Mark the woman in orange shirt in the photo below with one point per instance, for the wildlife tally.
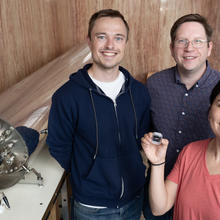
(193, 186)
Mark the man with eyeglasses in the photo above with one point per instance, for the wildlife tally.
(180, 94)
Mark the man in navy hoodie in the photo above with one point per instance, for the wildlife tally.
(96, 121)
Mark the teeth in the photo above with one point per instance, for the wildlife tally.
(109, 54)
(188, 58)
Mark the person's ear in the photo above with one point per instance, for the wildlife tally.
(171, 49)
(210, 46)
(89, 42)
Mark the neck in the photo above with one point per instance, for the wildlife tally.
(214, 149)
(189, 78)
(104, 75)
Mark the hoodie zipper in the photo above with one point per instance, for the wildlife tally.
(119, 135)
(116, 115)
(119, 138)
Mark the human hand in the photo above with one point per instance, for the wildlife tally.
(155, 153)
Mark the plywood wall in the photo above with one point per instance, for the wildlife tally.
(33, 32)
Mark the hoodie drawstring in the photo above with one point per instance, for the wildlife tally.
(135, 115)
(96, 124)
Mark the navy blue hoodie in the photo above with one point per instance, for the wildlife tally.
(99, 141)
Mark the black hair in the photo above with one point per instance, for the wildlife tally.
(215, 93)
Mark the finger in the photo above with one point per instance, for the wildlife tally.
(144, 143)
(147, 134)
(146, 137)
(165, 142)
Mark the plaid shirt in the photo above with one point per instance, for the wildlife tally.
(181, 115)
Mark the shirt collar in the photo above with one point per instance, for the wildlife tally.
(200, 82)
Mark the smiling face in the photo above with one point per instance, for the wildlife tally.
(108, 42)
(214, 116)
(191, 59)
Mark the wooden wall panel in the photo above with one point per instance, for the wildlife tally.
(28, 101)
(33, 32)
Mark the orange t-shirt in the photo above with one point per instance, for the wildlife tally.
(198, 193)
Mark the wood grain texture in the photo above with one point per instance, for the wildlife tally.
(34, 32)
(28, 102)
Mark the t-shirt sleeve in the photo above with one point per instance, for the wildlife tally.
(174, 174)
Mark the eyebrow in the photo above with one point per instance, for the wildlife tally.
(100, 33)
(103, 33)
(122, 35)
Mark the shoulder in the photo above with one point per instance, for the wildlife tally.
(77, 81)
(137, 90)
(132, 82)
(213, 76)
(135, 84)
(163, 73)
(215, 72)
(64, 90)
(164, 76)
(194, 149)
(69, 92)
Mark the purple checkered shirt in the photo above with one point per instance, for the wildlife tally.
(181, 115)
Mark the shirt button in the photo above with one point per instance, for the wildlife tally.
(180, 132)
(197, 85)
(183, 113)
(186, 94)
(177, 150)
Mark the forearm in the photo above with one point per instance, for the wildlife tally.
(157, 191)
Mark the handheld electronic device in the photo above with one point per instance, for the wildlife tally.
(156, 138)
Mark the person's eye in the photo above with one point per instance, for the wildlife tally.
(101, 37)
(119, 38)
(181, 41)
(198, 41)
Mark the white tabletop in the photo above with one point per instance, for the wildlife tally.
(30, 201)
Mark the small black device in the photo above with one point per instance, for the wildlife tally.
(156, 138)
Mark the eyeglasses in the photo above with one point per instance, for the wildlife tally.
(196, 43)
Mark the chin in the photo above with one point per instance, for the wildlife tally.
(109, 66)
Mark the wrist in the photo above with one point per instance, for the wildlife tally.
(158, 164)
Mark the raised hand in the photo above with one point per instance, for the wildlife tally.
(155, 153)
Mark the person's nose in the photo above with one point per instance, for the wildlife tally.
(110, 43)
(189, 46)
